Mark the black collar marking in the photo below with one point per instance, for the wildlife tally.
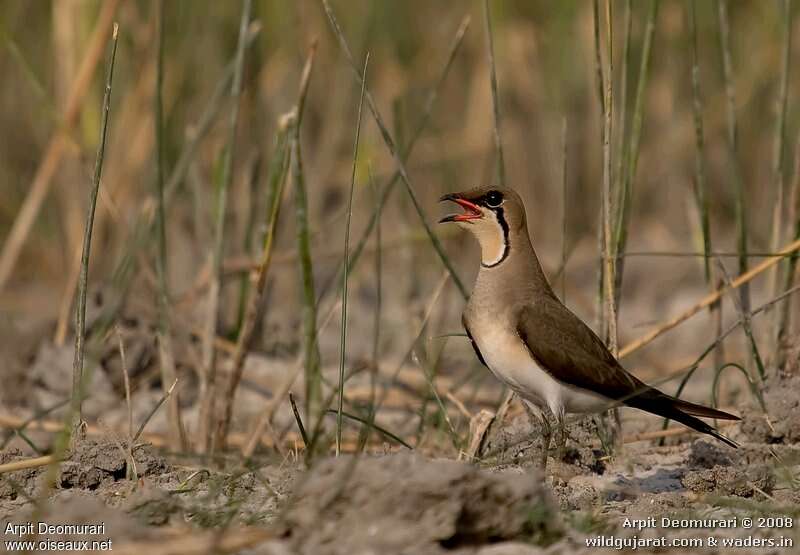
(506, 246)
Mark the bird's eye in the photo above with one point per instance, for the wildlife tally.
(494, 199)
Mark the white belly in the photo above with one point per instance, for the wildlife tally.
(509, 360)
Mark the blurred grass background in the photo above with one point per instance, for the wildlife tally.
(545, 55)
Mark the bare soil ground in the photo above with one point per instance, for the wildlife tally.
(393, 501)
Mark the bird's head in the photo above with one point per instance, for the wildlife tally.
(492, 215)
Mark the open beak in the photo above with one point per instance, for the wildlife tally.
(471, 210)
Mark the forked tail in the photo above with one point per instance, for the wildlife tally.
(684, 412)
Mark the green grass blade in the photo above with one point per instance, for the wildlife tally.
(632, 151)
(386, 191)
(738, 181)
(700, 187)
(141, 234)
(208, 416)
(165, 352)
(343, 340)
(310, 341)
(299, 421)
(390, 145)
(83, 282)
(373, 426)
(498, 141)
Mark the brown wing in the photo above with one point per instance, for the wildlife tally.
(570, 351)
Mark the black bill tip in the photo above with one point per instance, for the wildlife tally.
(450, 197)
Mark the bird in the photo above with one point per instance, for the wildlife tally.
(532, 342)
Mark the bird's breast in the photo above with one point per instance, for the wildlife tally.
(511, 362)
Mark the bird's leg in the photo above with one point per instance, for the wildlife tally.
(547, 434)
(535, 415)
(616, 436)
(609, 428)
(561, 441)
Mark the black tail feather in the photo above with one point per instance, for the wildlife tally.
(700, 426)
(669, 407)
(700, 410)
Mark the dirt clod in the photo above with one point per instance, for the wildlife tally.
(94, 463)
(405, 503)
(518, 441)
(705, 454)
(21, 482)
(726, 480)
(782, 399)
(81, 507)
(152, 506)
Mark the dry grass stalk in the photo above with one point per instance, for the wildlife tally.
(609, 246)
(784, 322)
(689, 371)
(67, 44)
(478, 427)
(503, 407)
(65, 309)
(209, 359)
(777, 165)
(562, 271)
(58, 143)
(27, 463)
(265, 418)
(610, 311)
(153, 412)
(154, 438)
(127, 383)
(83, 283)
(458, 404)
(708, 300)
(600, 320)
(182, 542)
(669, 432)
